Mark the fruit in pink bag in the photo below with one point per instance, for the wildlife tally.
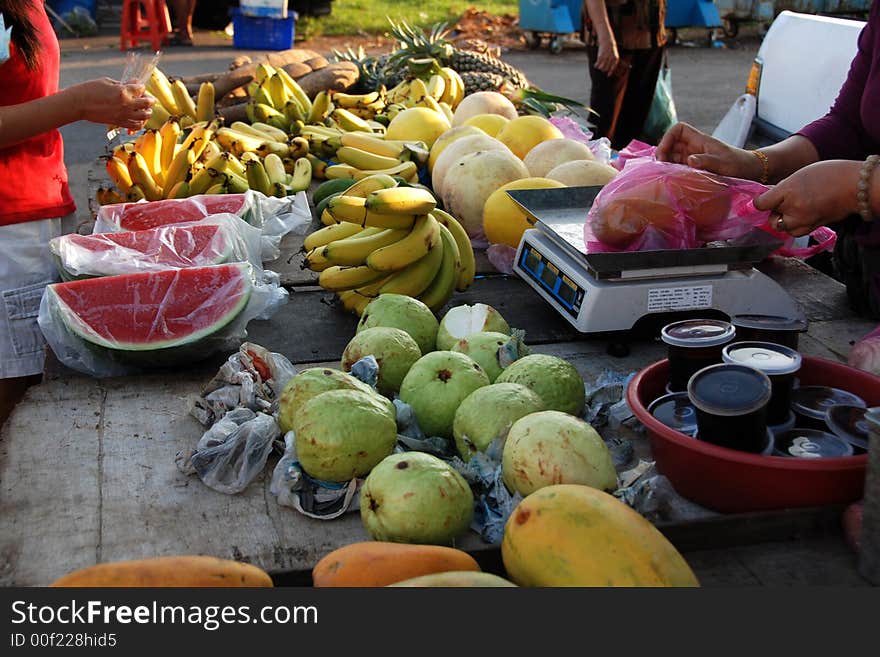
(625, 216)
(703, 198)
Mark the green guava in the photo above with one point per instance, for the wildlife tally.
(394, 350)
(549, 447)
(556, 381)
(488, 413)
(342, 434)
(415, 497)
(462, 321)
(435, 386)
(313, 381)
(405, 313)
(486, 347)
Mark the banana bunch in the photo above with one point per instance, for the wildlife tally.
(279, 101)
(385, 238)
(173, 100)
(442, 91)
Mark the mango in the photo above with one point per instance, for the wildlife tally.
(456, 579)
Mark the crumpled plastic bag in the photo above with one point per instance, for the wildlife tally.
(5, 39)
(571, 129)
(865, 353)
(502, 257)
(233, 452)
(653, 496)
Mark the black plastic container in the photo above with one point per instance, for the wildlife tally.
(785, 426)
(849, 423)
(811, 444)
(811, 403)
(769, 444)
(675, 411)
(769, 328)
(731, 402)
(693, 344)
(778, 362)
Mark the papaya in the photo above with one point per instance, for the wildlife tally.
(177, 571)
(380, 563)
(573, 535)
(465, 579)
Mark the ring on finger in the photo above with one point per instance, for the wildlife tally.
(780, 224)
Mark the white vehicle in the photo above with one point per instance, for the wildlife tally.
(801, 64)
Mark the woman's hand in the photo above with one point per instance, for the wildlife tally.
(113, 103)
(607, 58)
(816, 195)
(684, 144)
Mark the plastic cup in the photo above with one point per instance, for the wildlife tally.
(811, 444)
(731, 402)
(675, 411)
(778, 362)
(693, 344)
(811, 403)
(769, 328)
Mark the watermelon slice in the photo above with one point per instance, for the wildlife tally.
(152, 311)
(165, 247)
(141, 216)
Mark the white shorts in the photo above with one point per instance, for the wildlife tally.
(25, 269)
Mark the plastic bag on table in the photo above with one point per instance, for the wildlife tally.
(215, 240)
(252, 378)
(127, 324)
(571, 129)
(233, 452)
(632, 151)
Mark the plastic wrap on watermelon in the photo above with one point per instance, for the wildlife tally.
(125, 324)
(275, 217)
(216, 240)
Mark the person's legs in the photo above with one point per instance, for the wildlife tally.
(639, 95)
(183, 11)
(607, 94)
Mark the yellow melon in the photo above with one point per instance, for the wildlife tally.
(525, 132)
(504, 221)
(553, 152)
(417, 124)
(458, 148)
(491, 124)
(582, 173)
(483, 102)
(573, 535)
(447, 138)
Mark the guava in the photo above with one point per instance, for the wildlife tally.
(415, 497)
(436, 384)
(394, 350)
(492, 350)
(488, 413)
(405, 313)
(462, 321)
(549, 447)
(556, 381)
(313, 381)
(342, 434)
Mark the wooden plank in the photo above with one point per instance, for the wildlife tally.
(821, 297)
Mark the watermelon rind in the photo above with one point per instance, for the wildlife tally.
(75, 325)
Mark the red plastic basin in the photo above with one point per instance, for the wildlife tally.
(732, 481)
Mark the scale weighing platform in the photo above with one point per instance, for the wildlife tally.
(606, 292)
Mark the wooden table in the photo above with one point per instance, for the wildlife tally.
(88, 474)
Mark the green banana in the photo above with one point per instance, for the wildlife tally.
(441, 288)
(425, 234)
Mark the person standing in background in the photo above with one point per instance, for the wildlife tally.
(626, 40)
(183, 11)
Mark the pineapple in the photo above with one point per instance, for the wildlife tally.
(480, 81)
(465, 61)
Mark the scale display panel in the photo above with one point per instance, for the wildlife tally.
(540, 269)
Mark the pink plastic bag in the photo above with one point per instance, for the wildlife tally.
(633, 150)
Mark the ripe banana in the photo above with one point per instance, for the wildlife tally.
(353, 209)
(417, 91)
(440, 290)
(135, 194)
(348, 121)
(321, 108)
(295, 91)
(371, 290)
(468, 268)
(179, 168)
(264, 72)
(205, 179)
(257, 177)
(373, 144)
(401, 200)
(183, 100)
(159, 87)
(347, 278)
(454, 92)
(211, 152)
(302, 175)
(281, 150)
(151, 149)
(363, 160)
(347, 101)
(328, 219)
(328, 234)
(299, 147)
(266, 131)
(275, 169)
(368, 184)
(141, 176)
(356, 250)
(405, 170)
(436, 86)
(319, 167)
(425, 235)
(446, 108)
(205, 105)
(234, 164)
(353, 302)
(158, 117)
(118, 172)
(278, 91)
(237, 184)
(180, 190)
(415, 278)
(294, 111)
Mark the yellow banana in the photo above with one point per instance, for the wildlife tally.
(205, 180)
(274, 168)
(295, 90)
(159, 87)
(356, 249)
(266, 131)
(302, 175)
(321, 108)
(293, 111)
(373, 144)
(264, 72)
(315, 260)
(278, 92)
(141, 176)
(404, 170)
(236, 142)
(468, 267)
(446, 109)
(425, 234)
(368, 184)
(347, 278)
(341, 99)
(415, 278)
(237, 184)
(399, 93)
(205, 105)
(158, 117)
(211, 152)
(151, 150)
(459, 86)
(234, 164)
(335, 171)
(401, 200)
(118, 172)
(328, 219)
(179, 168)
(349, 121)
(135, 194)
(441, 288)
(417, 91)
(183, 100)
(248, 129)
(219, 188)
(262, 96)
(319, 132)
(329, 234)
(436, 86)
(282, 150)
(362, 159)
(257, 177)
(319, 167)
(353, 302)
(299, 147)
(352, 209)
(180, 190)
(371, 290)
(200, 131)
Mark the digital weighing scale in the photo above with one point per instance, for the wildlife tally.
(603, 292)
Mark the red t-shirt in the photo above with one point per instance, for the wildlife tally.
(35, 179)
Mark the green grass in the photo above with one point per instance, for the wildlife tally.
(352, 17)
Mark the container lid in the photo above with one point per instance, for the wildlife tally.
(698, 333)
(813, 401)
(729, 389)
(675, 411)
(849, 423)
(772, 359)
(769, 322)
(811, 444)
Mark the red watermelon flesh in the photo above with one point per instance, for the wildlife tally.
(140, 216)
(153, 310)
(165, 247)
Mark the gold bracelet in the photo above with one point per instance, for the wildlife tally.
(864, 186)
(765, 176)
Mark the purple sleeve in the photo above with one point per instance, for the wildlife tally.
(840, 134)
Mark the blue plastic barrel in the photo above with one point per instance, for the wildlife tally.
(62, 7)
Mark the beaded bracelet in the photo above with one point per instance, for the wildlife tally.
(765, 176)
(862, 195)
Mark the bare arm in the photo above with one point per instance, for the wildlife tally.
(608, 57)
(100, 101)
